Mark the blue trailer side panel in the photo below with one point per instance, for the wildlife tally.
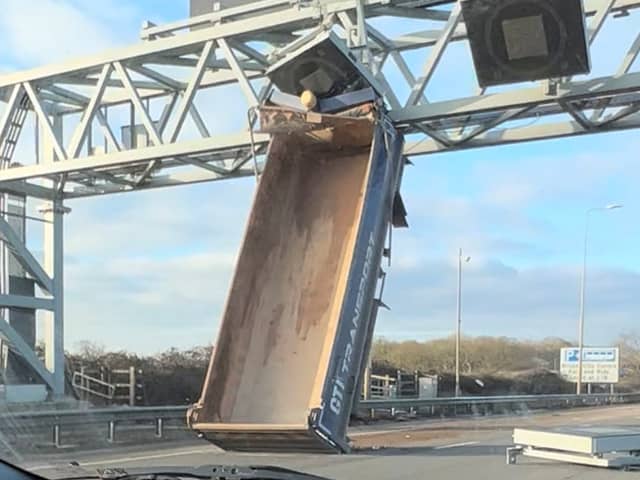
(353, 328)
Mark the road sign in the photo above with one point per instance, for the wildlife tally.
(599, 365)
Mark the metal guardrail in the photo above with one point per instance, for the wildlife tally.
(60, 420)
(97, 415)
(571, 399)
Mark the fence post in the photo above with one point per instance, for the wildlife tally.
(111, 434)
(132, 386)
(367, 383)
(159, 427)
(56, 436)
(83, 386)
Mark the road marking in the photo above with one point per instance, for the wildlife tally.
(128, 459)
(424, 425)
(455, 445)
(377, 432)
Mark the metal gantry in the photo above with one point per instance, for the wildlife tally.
(136, 118)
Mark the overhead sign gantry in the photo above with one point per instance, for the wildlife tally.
(115, 121)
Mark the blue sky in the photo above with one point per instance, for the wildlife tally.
(147, 271)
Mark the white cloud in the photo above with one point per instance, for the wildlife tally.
(208, 216)
(568, 173)
(151, 270)
(147, 305)
(35, 32)
(501, 300)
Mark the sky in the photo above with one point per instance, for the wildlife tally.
(148, 271)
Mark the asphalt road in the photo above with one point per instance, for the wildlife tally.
(464, 448)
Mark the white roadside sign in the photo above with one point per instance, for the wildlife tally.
(599, 365)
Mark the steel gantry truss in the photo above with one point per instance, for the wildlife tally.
(117, 121)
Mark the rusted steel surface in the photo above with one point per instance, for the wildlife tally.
(268, 376)
(282, 120)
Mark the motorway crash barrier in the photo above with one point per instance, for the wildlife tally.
(62, 422)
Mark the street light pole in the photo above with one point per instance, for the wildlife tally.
(582, 292)
(459, 319)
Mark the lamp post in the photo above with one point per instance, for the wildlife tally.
(461, 260)
(582, 291)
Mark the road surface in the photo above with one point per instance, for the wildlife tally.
(445, 449)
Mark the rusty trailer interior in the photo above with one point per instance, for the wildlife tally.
(289, 351)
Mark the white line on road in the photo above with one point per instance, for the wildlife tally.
(455, 445)
(129, 459)
(377, 432)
